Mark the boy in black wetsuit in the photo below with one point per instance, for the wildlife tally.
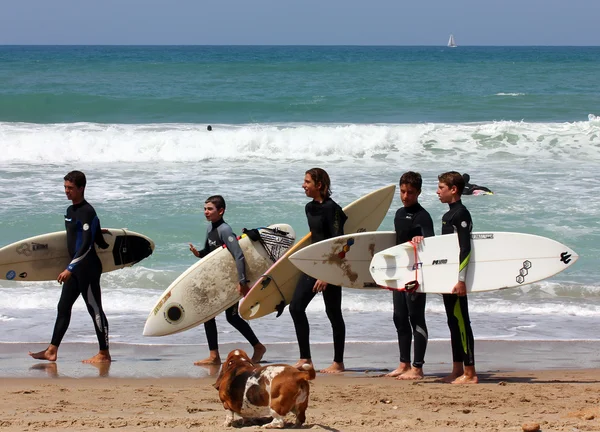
(82, 275)
(219, 233)
(458, 220)
(412, 223)
(326, 219)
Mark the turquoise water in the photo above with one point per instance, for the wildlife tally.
(521, 121)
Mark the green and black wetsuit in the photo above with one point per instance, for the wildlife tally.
(458, 220)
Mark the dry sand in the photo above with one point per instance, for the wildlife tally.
(559, 400)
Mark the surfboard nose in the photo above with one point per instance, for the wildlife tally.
(150, 329)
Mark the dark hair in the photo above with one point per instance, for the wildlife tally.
(319, 175)
(217, 200)
(209, 128)
(467, 177)
(77, 178)
(412, 178)
(453, 178)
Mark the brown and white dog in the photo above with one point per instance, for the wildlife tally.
(268, 391)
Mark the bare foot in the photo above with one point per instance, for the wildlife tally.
(302, 362)
(335, 368)
(450, 378)
(466, 379)
(103, 356)
(50, 354)
(259, 352)
(412, 374)
(403, 368)
(209, 361)
(457, 371)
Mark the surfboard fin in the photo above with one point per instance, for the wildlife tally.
(279, 308)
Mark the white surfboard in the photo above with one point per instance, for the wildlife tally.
(209, 286)
(498, 260)
(274, 290)
(344, 260)
(44, 257)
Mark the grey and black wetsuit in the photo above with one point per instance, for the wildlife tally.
(458, 220)
(325, 220)
(83, 231)
(218, 234)
(409, 308)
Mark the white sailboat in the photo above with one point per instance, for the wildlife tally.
(451, 42)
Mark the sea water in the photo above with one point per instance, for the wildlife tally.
(521, 121)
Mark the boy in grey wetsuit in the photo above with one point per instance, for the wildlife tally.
(219, 233)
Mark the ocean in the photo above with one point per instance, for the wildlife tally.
(520, 120)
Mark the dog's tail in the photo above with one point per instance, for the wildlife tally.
(308, 371)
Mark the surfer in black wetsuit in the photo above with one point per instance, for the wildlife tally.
(219, 233)
(471, 189)
(458, 220)
(412, 223)
(325, 220)
(82, 275)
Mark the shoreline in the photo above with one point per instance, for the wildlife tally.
(176, 361)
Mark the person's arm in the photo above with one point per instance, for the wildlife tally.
(88, 224)
(231, 241)
(422, 227)
(202, 252)
(462, 225)
(334, 219)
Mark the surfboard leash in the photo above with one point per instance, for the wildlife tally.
(412, 286)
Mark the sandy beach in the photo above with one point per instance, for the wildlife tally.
(157, 387)
(557, 400)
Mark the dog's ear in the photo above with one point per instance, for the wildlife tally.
(217, 383)
(225, 367)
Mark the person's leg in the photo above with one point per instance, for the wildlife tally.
(300, 300)
(450, 304)
(210, 328)
(461, 312)
(92, 297)
(332, 296)
(68, 296)
(404, 332)
(416, 312)
(244, 328)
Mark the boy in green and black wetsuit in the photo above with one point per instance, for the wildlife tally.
(458, 220)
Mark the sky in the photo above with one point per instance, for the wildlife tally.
(299, 22)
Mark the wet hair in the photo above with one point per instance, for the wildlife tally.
(217, 200)
(467, 177)
(453, 178)
(319, 175)
(77, 178)
(209, 128)
(413, 179)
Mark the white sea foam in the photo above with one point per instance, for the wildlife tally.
(86, 142)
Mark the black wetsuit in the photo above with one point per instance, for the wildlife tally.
(409, 308)
(83, 230)
(325, 220)
(470, 188)
(218, 234)
(458, 220)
